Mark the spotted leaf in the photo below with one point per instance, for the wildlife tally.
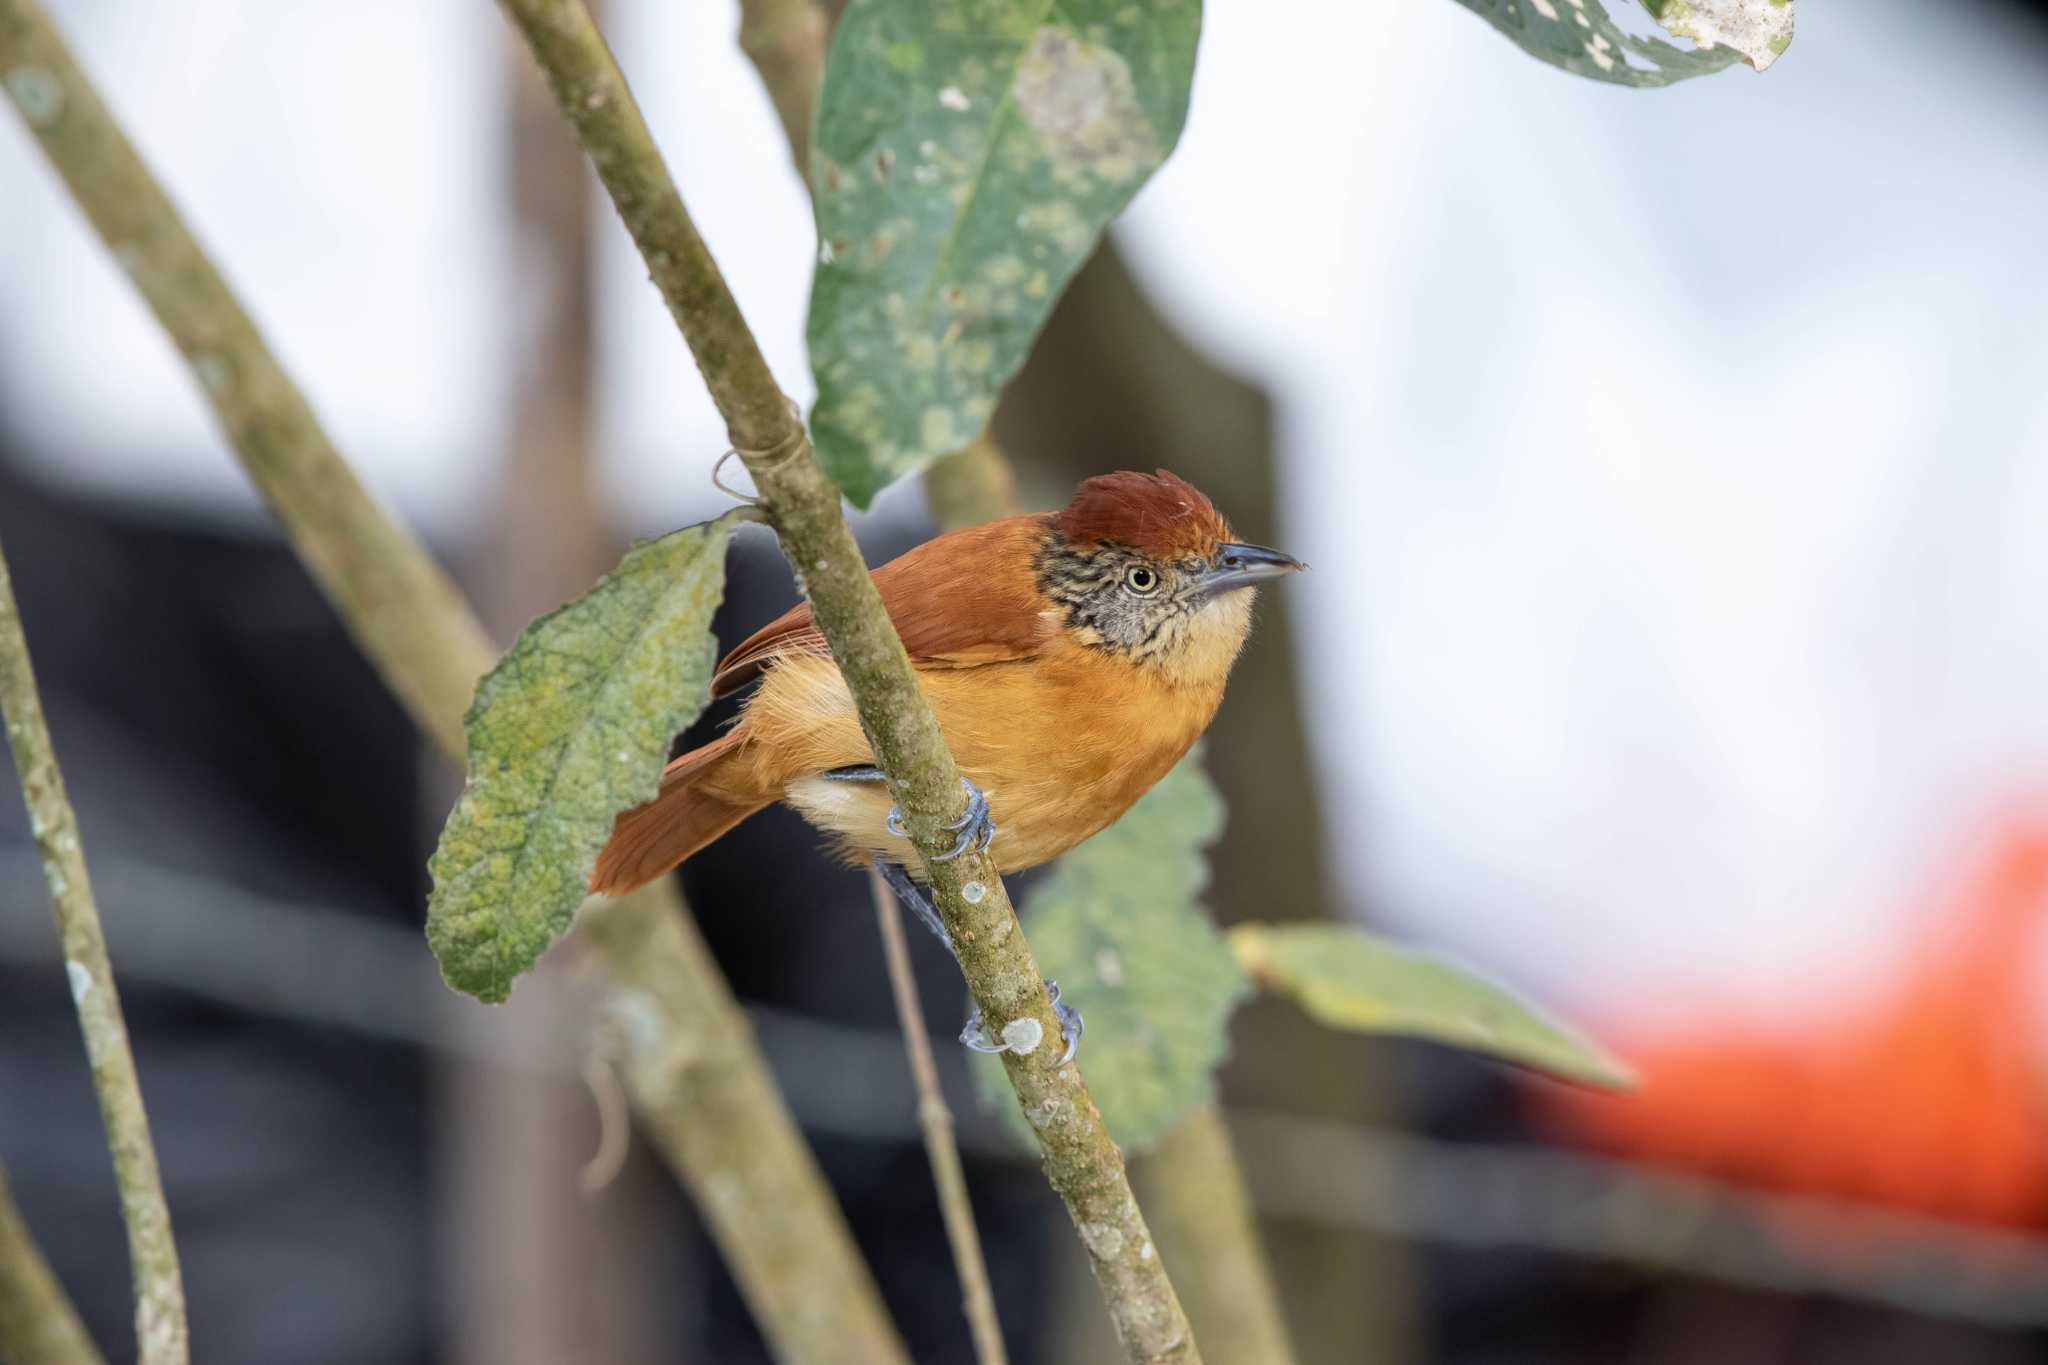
(1581, 37)
(968, 155)
(572, 727)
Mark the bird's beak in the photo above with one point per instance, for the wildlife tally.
(1246, 566)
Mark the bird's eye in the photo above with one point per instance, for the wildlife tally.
(1140, 579)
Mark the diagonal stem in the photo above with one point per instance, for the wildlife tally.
(160, 1331)
(1082, 1162)
(1195, 1175)
(936, 1120)
(38, 1325)
(698, 1078)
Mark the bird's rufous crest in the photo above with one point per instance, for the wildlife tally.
(1161, 515)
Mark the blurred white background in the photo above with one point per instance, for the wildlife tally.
(1671, 462)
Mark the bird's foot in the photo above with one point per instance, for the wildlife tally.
(976, 1035)
(974, 827)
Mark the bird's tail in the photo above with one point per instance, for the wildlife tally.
(650, 840)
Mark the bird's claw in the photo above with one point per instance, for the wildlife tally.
(975, 828)
(976, 1035)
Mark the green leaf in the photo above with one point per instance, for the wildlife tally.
(572, 727)
(968, 155)
(1119, 927)
(1349, 979)
(1760, 30)
(1579, 36)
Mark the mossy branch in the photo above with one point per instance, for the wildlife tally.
(700, 1083)
(1195, 1173)
(941, 1144)
(404, 612)
(38, 1325)
(1082, 1162)
(160, 1331)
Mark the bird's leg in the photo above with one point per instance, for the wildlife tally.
(920, 904)
(976, 830)
(975, 1034)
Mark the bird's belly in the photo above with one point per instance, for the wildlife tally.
(1060, 750)
(1044, 799)
(856, 814)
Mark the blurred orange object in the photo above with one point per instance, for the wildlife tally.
(1930, 1097)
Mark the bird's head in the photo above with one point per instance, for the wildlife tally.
(1145, 567)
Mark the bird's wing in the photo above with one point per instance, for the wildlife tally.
(963, 599)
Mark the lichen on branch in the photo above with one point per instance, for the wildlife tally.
(700, 1082)
(160, 1330)
(1081, 1161)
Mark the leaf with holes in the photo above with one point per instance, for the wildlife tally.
(1349, 979)
(1119, 926)
(572, 727)
(1579, 36)
(968, 155)
(1760, 30)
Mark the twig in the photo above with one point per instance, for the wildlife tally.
(936, 1120)
(613, 1122)
(38, 1325)
(152, 1255)
(785, 40)
(1205, 1217)
(699, 1081)
(1082, 1162)
(404, 612)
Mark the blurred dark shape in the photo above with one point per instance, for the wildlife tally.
(214, 719)
(211, 718)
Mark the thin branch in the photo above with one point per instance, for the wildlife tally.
(404, 612)
(698, 1079)
(1206, 1213)
(936, 1120)
(160, 1332)
(38, 1325)
(785, 40)
(710, 1104)
(1196, 1185)
(1082, 1162)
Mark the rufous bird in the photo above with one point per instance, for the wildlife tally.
(1071, 658)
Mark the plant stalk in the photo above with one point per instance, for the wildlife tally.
(1082, 1162)
(160, 1331)
(1196, 1185)
(940, 1144)
(712, 1105)
(785, 40)
(1205, 1212)
(38, 1325)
